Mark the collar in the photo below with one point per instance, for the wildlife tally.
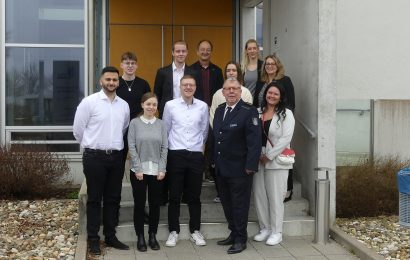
(102, 95)
(174, 67)
(233, 106)
(148, 121)
(182, 101)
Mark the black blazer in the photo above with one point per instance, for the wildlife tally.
(237, 140)
(164, 86)
(216, 79)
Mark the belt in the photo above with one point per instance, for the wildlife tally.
(97, 151)
(185, 151)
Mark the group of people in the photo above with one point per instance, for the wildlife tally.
(242, 117)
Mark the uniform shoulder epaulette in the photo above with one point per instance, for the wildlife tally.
(222, 105)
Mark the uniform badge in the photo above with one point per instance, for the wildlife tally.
(255, 121)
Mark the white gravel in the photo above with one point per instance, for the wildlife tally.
(382, 234)
(41, 229)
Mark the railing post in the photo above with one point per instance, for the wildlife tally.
(322, 190)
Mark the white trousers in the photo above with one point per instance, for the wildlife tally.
(269, 188)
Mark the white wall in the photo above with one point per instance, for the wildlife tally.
(373, 49)
(305, 31)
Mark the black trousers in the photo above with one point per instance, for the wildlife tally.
(139, 191)
(235, 195)
(184, 173)
(103, 174)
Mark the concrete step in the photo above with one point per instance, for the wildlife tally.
(292, 226)
(208, 191)
(213, 211)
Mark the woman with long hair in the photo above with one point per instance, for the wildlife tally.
(269, 184)
(148, 147)
(251, 65)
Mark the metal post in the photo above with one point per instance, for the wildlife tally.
(322, 189)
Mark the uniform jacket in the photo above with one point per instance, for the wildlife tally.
(280, 134)
(237, 140)
(164, 86)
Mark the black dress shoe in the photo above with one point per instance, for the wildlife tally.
(288, 198)
(237, 248)
(141, 245)
(152, 242)
(227, 241)
(94, 246)
(114, 242)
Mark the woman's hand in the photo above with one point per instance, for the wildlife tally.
(139, 176)
(160, 176)
(263, 159)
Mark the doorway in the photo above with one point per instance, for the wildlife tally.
(149, 29)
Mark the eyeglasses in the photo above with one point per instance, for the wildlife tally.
(130, 63)
(188, 85)
(270, 64)
(231, 88)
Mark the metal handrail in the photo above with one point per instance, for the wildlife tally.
(310, 131)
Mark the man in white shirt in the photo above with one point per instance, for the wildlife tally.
(186, 119)
(100, 122)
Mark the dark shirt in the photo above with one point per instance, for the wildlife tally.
(205, 85)
(131, 92)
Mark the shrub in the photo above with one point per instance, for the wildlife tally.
(28, 172)
(368, 188)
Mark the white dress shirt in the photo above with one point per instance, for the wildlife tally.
(100, 123)
(177, 74)
(187, 124)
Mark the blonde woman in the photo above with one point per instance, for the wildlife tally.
(251, 65)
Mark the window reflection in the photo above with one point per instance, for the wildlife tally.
(43, 85)
(45, 21)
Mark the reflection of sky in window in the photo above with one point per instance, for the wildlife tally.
(52, 22)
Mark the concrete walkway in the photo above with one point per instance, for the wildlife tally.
(290, 248)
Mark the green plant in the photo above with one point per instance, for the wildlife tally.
(27, 171)
(73, 195)
(368, 188)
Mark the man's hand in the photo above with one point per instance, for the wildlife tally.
(160, 176)
(249, 172)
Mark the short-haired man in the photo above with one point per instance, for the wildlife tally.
(186, 119)
(237, 148)
(210, 75)
(100, 122)
(167, 80)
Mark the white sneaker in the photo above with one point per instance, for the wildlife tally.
(263, 235)
(172, 239)
(274, 239)
(217, 200)
(198, 238)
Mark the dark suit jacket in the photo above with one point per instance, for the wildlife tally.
(216, 79)
(164, 86)
(237, 140)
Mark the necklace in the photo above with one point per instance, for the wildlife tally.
(129, 86)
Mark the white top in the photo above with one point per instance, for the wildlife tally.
(177, 74)
(219, 99)
(100, 123)
(187, 125)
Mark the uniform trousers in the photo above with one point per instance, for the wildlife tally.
(184, 172)
(139, 192)
(269, 188)
(235, 195)
(103, 173)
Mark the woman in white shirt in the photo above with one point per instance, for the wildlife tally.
(270, 183)
(148, 148)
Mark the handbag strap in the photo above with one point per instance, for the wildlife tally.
(263, 128)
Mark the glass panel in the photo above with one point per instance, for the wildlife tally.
(20, 136)
(54, 147)
(43, 85)
(45, 21)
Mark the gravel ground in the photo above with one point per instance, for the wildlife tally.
(41, 229)
(382, 234)
(48, 229)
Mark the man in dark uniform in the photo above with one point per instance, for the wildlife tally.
(237, 148)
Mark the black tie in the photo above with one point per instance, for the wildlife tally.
(227, 112)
